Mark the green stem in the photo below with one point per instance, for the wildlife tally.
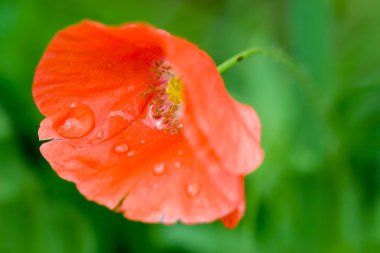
(238, 58)
(304, 80)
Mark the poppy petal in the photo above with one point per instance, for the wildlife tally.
(130, 174)
(212, 119)
(108, 74)
(232, 219)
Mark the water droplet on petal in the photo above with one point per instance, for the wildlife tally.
(192, 189)
(100, 134)
(118, 121)
(142, 141)
(131, 153)
(73, 104)
(78, 122)
(122, 114)
(159, 168)
(121, 148)
(177, 164)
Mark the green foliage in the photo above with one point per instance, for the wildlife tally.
(319, 187)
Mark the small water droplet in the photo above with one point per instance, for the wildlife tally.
(177, 164)
(78, 122)
(117, 123)
(100, 134)
(121, 148)
(159, 168)
(131, 153)
(180, 152)
(192, 189)
(142, 141)
(73, 104)
(121, 114)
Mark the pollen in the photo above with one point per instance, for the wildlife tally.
(174, 90)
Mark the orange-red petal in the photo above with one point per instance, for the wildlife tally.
(232, 219)
(144, 181)
(104, 68)
(214, 122)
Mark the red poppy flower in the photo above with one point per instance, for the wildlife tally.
(141, 122)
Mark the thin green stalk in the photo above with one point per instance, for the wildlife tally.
(239, 57)
(303, 77)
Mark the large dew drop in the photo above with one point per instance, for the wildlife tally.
(78, 122)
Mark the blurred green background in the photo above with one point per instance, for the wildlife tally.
(319, 187)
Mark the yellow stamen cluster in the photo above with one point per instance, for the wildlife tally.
(174, 90)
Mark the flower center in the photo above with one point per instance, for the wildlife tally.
(165, 108)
